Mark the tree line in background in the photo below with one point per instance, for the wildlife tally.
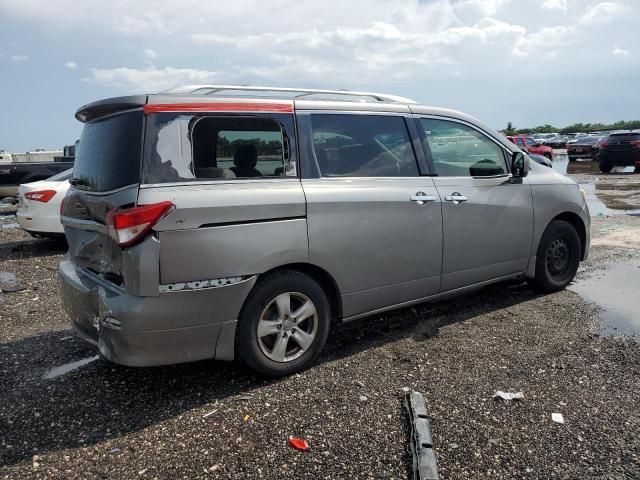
(575, 128)
(226, 148)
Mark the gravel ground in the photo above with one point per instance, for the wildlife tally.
(106, 421)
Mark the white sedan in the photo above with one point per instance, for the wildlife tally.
(39, 210)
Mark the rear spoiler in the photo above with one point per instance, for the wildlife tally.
(94, 110)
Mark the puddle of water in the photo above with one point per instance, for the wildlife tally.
(8, 222)
(599, 209)
(63, 369)
(617, 291)
(560, 163)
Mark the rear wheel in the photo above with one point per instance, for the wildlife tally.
(605, 167)
(284, 324)
(558, 257)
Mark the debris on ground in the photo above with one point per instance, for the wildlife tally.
(9, 283)
(206, 415)
(299, 444)
(557, 417)
(424, 458)
(508, 395)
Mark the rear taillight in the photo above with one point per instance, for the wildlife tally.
(602, 145)
(128, 226)
(635, 143)
(40, 196)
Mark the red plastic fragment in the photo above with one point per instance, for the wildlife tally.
(299, 444)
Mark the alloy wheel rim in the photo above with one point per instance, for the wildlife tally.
(287, 327)
(558, 257)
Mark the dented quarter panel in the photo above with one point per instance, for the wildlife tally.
(238, 228)
(235, 250)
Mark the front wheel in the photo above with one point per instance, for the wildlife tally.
(284, 324)
(558, 257)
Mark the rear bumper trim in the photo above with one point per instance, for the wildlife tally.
(160, 330)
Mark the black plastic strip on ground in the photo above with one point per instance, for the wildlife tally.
(425, 466)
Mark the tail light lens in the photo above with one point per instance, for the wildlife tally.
(128, 226)
(40, 196)
(635, 143)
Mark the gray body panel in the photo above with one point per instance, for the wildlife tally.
(237, 228)
(488, 235)
(379, 248)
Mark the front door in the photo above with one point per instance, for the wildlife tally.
(374, 223)
(487, 220)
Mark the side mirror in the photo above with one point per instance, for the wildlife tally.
(519, 165)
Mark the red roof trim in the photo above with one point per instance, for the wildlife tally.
(219, 107)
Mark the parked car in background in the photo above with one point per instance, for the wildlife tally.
(544, 137)
(16, 173)
(246, 223)
(585, 147)
(619, 150)
(528, 144)
(39, 209)
(557, 142)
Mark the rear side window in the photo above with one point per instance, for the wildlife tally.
(192, 148)
(238, 148)
(109, 153)
(362, 146)
(461, 151)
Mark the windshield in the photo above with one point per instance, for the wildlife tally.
(109, 153)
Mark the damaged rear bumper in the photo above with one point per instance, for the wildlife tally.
(140, 331)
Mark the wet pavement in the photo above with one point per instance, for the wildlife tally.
(616, 290)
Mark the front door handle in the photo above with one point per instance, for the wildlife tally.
(421, 198)
(456, 198)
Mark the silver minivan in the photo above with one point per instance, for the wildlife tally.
(242, 222)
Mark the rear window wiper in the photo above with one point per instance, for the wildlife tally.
(78, 181)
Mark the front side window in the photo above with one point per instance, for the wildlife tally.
(362, 146)
(530, 142)
(461, 151)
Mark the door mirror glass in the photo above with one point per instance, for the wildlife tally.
(519, 165)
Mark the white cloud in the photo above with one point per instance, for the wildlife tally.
(71, 65)
(543, 42)
(555, 4)
(20, 58)
(150, 79)
(620, 52)
(150, 53)
(602, 13)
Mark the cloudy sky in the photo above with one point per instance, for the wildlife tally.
(527, 61)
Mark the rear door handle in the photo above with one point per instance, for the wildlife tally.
(421, 198)
(456, 198)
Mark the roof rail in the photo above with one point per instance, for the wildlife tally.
(302, 92)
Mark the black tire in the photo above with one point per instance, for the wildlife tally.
(558, 257)
(605, 167)
(247, 345)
